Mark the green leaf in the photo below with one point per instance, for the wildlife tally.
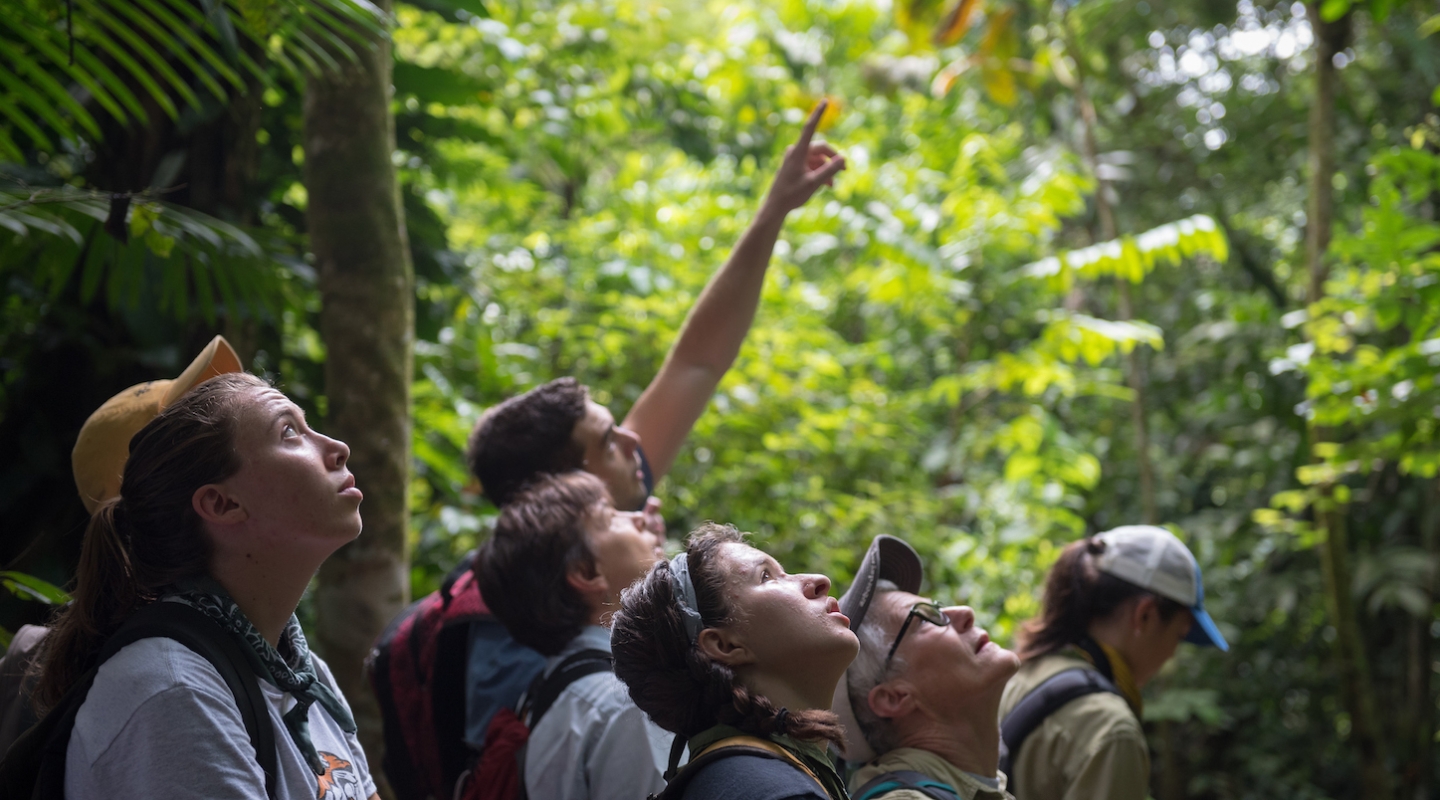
(450, 9)
(1331, 10)
(30, 587)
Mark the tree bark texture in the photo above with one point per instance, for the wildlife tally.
(358, 238)
(1109, 231)
(1330, 515)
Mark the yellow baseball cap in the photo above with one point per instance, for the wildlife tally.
(104, 442)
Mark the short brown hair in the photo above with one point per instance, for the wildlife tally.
(675, 683)
(539, 539)
(528, 435)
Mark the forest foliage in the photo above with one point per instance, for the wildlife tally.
(952, 344)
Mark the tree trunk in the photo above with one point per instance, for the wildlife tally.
(357, 234)
(1109, 231)
(1330, 515)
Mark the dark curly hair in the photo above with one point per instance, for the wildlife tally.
(538, 540)
(528, 435)
(676, 684)
(1077, 593)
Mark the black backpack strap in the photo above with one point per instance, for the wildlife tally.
(546, 689)
(199, 633)
(1042, 701)
(34, 767)
(906, 779)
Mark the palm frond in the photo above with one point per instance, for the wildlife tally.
(125, 55)
(176, 256)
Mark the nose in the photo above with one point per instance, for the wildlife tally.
(336, 452)
(815, 586)
(962, 618)
(627, 439)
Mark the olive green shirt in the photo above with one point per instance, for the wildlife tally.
(1092, 748)
(908, 759)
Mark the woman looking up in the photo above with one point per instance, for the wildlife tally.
(228, 503)
(740, 660)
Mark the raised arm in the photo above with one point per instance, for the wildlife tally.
(716, 327)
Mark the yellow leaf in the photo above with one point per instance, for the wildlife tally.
(999, 42)
(831, 114)
(1000, 85)
(956, 23)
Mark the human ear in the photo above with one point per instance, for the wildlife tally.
(722, 645)
(892, 699)
(214, 505)
(593, 586)
(1144, 614)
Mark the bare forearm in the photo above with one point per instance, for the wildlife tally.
(716, 327)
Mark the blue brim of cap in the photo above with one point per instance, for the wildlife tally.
(1204, 632)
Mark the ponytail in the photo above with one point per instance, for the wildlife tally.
(1077, 594)
(150, 536)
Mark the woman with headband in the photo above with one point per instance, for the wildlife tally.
(740, 661)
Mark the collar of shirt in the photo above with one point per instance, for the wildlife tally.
(592, 637)
(967, 784)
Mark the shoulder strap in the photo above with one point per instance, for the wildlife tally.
(734, 746)
(43, 748)
(207, 639)
(546, 689)
(905, 779)
(1042, 701)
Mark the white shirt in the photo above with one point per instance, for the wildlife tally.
(161, 724)
(593, 743)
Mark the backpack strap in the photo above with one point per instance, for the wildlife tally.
(546, 689)
(206, 638)
(905, 779)
(734, 746)
(34, 767)
(1042, 701)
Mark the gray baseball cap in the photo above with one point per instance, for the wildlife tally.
(1153, 558)
(888, 559)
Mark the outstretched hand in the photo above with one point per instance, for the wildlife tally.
(807, 166)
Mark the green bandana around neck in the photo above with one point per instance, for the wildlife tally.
(291, 671)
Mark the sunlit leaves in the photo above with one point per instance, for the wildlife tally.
(1131, 258)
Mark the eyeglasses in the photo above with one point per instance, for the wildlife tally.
(926, 612)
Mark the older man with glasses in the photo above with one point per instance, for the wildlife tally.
(920, 702)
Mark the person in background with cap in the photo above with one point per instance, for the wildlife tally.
(1116, 606)
(919, 702)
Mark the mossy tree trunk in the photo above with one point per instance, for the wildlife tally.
(357, 234)
(1330, 512)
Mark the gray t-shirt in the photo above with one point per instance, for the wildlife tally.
(161, 724)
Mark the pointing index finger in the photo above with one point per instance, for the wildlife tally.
(810, 125)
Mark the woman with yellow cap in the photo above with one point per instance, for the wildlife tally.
(227, 504)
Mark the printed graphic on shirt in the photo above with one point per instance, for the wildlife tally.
(339, 781)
